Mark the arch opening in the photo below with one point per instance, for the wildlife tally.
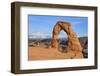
(62, 41)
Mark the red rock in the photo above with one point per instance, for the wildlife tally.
(74, 47)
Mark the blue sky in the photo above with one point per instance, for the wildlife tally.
(45, 24)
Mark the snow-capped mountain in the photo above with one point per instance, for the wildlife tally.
(40, 35)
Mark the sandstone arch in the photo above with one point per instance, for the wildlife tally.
(73, 46)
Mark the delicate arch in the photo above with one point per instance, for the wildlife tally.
(73, 41)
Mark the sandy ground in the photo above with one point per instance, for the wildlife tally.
(42, 53)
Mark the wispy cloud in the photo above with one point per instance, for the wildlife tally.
(76, 23)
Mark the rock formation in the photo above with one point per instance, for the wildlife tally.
(74, 49)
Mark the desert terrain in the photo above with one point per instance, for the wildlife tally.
(40, 50)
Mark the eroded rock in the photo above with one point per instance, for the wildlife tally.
(74, 48)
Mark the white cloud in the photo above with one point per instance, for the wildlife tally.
(75, 23)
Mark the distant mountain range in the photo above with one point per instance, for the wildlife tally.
(62, 40)
(39, 35)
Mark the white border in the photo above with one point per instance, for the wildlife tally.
(25, 64)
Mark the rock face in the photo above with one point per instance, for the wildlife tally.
(74, 49)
